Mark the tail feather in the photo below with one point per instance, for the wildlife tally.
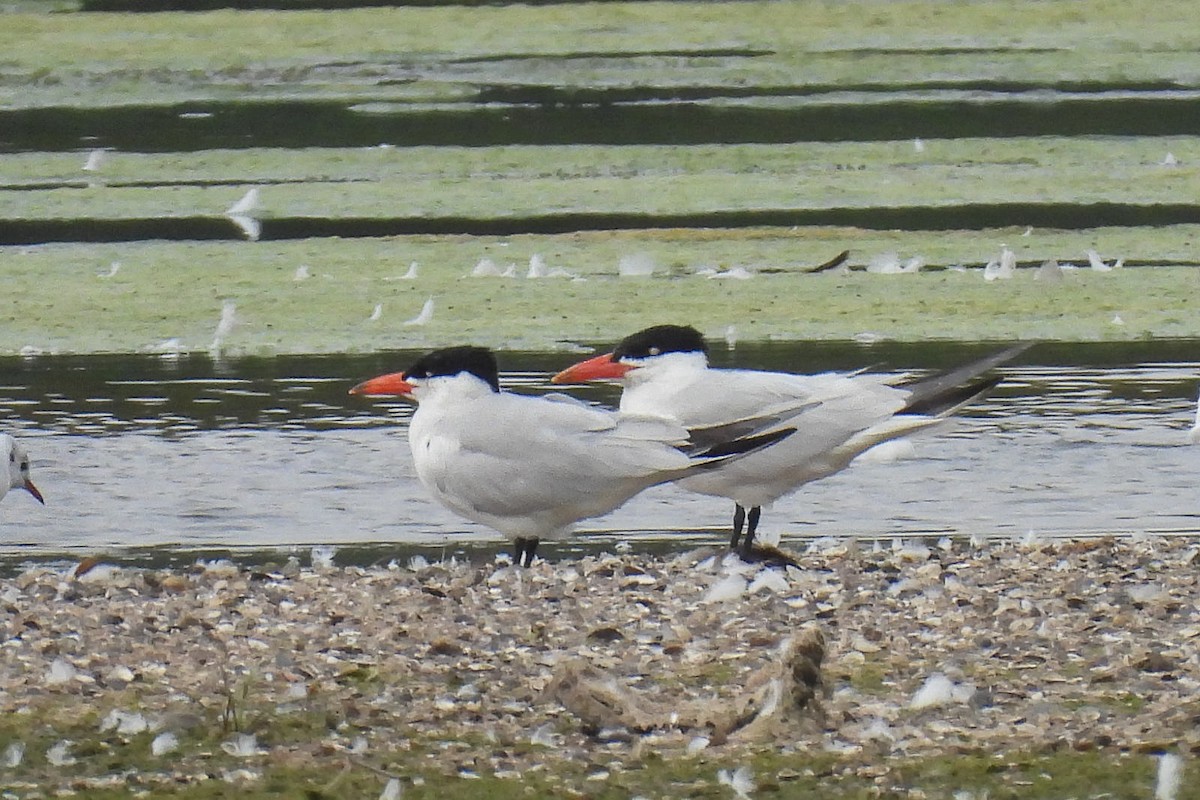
(946, 393)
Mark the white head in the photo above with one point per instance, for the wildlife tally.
(18, 467)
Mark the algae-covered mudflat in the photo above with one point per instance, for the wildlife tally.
(329, 295)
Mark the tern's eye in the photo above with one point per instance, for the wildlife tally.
(24, 466)
(12, 458)
(654, 351)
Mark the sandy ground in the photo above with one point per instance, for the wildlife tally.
(427, 669)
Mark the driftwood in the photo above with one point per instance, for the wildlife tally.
(787, 689)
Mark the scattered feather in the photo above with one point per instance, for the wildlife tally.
(636, 265)
(938, 690)
(94, 160)
(411, 275)
(164, 743)
(14, 754)
(731, 336)
(1169, 160)
(889, 264)
(537, 267)
(1097, 263)
(769, 579)
(697, 744)
(545, 736)
(1170, 776)
(113, 269)
(918, 145)
(301, 273)
(61, 671)
(736, 273)
(322, 556)
(376, 313)
(243, 745)
(1116, 320)
(250, 227)
(125, 723)
(59, 754)
(486, 268)
(741, 781)
(359, 746)
(1049, 271)
(225, 326)
(391, 791)
(730, 587)
(247, 203)
(1001, 268)
(1028, 231)
(425, 315)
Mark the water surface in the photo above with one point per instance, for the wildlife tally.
(136, 452)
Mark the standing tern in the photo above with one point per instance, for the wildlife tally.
(530, 467)
(664, 371)
(18, 468)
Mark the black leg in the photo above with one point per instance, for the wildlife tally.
(751, 527)
(525, 549)
(739, 519)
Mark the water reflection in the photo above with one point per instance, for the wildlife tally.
(136, 451)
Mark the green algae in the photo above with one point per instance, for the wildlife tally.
(57, 299)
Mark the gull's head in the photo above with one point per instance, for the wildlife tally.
(18, 468)
(647, 351)
(467, 366)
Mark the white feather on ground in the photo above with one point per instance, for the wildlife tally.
(741, 781)
(14, 754)
(225, 326)
(247, 203)
(1001, 268)
(249, 226)
(301, 273)
(113, 269)
(164, 743)
(376, 313)
(938, 690)
(425, 315)
(1049, 271)
(636, 265)
(734, 273)
(94, 160)
(1097, 263)
(1169, 777)
(728, 588)
(391, 791)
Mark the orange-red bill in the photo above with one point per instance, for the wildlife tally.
(33, 490)
(391, 384)
(600, 368)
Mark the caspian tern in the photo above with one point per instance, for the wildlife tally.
(664, 371)
(18, 468)
(530, 467)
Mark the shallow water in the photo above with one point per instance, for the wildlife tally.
(137, 452)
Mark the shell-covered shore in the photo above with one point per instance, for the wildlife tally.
(138, 678)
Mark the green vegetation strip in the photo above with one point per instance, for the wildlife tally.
(512, 182)
(57, 300)
(430, 53)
